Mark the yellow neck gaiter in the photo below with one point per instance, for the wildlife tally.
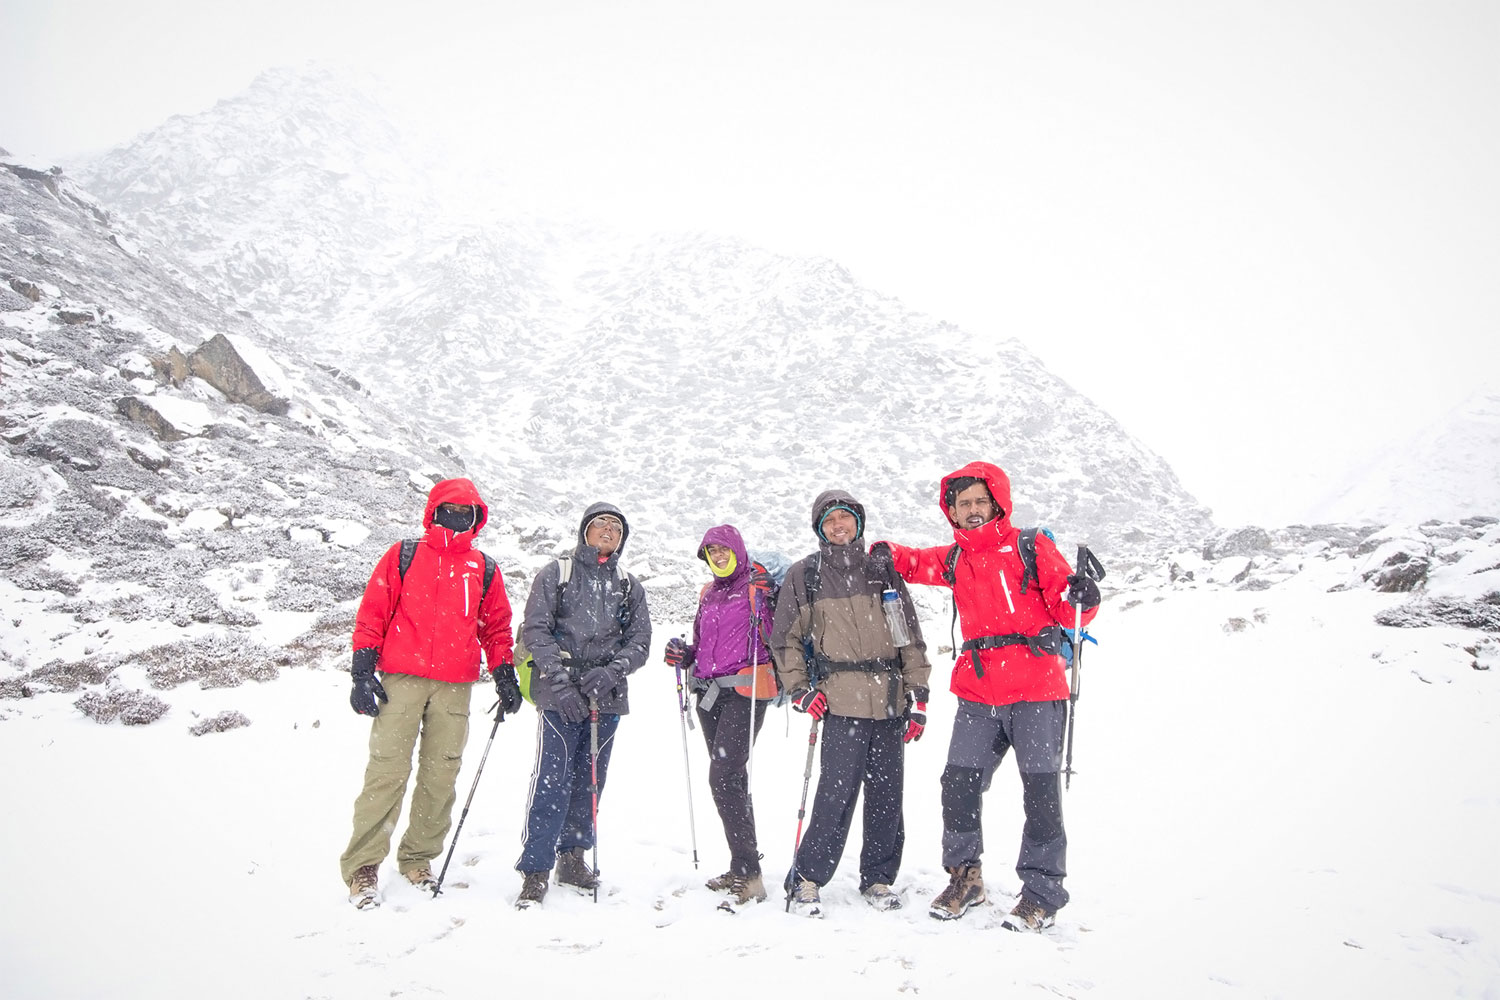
(716, 571)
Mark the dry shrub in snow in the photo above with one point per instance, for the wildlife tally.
(214, 661)
(221, 723)
(133, 708)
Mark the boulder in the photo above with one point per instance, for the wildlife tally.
(220, 365)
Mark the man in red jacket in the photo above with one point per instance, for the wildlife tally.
(1011, 686)
(426, 615)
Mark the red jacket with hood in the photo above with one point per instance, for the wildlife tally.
(987, 593)
(433, 623)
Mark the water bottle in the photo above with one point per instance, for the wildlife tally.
(895, 618)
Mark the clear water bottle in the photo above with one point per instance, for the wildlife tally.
(895, 618)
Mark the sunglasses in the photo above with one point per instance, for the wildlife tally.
(607, 523)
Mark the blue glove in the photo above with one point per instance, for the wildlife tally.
(599, 682)
(569, 700)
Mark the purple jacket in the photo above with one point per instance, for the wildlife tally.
(722, 630)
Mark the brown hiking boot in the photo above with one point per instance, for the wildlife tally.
(1029, 915)
(533, 889)
(881, 896)
(721, 883)
(804, 899)
(965, 889)
(421, 877)
(747, 889)
(363, 887)
(573, 871)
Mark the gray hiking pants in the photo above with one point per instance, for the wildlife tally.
(981, 736)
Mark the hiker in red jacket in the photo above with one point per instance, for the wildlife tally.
(429, 610)
(1011, 685)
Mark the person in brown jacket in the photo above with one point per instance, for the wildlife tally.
(841, 657)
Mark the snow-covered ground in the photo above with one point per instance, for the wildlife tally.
(1299, 804)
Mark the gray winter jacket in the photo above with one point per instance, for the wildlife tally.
(598, 619)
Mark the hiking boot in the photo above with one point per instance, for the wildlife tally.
(573, 871)
(721, 883)
(421, 877)
(804, 900)
(363, 887)
(1029, 915)
(747, 889)
(533, 889)
(881, 896)
(965, 889)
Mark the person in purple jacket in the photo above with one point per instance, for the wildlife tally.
(733, 676)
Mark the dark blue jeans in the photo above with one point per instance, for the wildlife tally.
(559, 808)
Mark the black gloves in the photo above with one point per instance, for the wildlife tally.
(507, 687)
(362, 698)
(569, 700)
(599, 682)
(880, 555)
(1083, 593)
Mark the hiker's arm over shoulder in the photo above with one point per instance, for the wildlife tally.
(494, 623)
(379, 601)
(924, 566)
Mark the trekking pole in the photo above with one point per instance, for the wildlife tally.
(754, 697)
(1089, 565)
(812, 743)
(437, 887)
(687, 769)
(594, 783)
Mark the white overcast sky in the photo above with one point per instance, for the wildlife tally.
(1264, 235)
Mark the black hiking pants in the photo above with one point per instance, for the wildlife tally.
(858, 754)
(726, 730)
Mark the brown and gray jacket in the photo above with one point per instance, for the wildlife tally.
(838, 636)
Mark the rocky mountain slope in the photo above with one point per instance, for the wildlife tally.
(691, 379)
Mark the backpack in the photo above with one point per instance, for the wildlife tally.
(409, 550)
(766, 573)
(564, 574)
(1026, 548)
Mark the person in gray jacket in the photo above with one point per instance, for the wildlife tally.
(587, 628)
(840, 660)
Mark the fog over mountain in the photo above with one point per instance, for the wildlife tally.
(690, 378)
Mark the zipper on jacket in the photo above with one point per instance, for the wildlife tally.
(466, 595)
(1005, 586)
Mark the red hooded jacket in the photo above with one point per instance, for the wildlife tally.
(987, 593)
(433, 623)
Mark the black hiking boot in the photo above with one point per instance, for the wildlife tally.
(533, 889)
(574, 872)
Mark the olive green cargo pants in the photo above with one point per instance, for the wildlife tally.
(438, 712)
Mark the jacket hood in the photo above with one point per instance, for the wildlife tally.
(729, 537)
(593, 511)
(994, 477)
(829, 499)
(459, 491)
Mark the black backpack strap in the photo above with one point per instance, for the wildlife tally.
(950, 561)
(408, 550)
(490, 567)
(1026, 546)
